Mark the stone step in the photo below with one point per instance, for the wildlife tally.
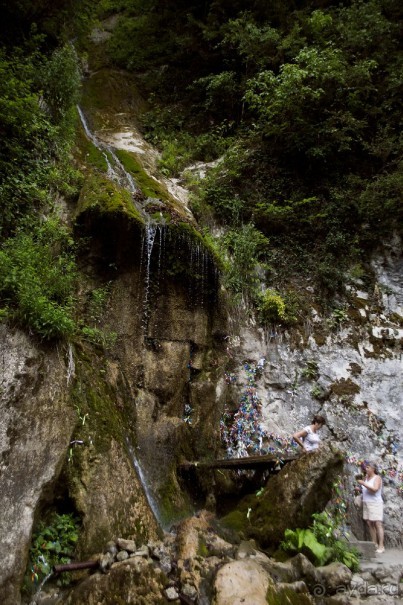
(366, 548)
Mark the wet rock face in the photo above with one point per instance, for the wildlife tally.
(33, 442)
(106, 485)
(156, 361)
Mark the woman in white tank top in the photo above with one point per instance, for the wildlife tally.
(372, 505)
(308, 438)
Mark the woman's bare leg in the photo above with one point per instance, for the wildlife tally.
(379, 533)
(372, 531)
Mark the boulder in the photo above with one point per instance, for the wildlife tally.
(132, 581)
(301, 488)
(335, 577)
(241, 583)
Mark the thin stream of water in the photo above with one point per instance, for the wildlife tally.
(41, 585)
(150, 233)
(147, 491)
(115, 169)
(71, 368)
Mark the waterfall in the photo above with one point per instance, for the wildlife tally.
(115, 169)
(150, 232)
(147, 491)
(154, 235)
(87, 131)
(199, 263)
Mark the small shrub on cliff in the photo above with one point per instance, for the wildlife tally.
(272, 307)
(37, 278)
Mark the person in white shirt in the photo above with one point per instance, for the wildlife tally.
(308, 438)
(372, 504)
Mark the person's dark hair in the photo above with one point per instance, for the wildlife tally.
(318, 419)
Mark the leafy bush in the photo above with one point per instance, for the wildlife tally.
(326, 528)
(37, 127)
(99, 337)
(311, 370)
(37, 278)
(61, 94)
(305, 541)
(246, 248)
(272, 307)
(322, 542)
(53, 543)
(94, 313)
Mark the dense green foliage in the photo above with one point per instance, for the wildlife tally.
(36, 122)
(37, 278)
(39, 87)
(306, 98)
(321, 542)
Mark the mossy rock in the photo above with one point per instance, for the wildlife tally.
(99, 195)
(344, 387)
(303, 487)
(235, 522)
(173, 503)
(109, 93)
(149, 186)
(285, 595)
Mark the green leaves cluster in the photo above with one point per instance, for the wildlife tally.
(37, 115)
(53, 543)
(272, 307)
(246, 247)
(39, 87)
(321, 543)
(96, 308)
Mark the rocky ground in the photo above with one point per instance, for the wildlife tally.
(194, 565)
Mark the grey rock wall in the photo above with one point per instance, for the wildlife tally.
(358, 386)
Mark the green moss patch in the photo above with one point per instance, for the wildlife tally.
(149, 186)
(174, 504)
(102, 195)
(287, 596)
(180, 228)
(345, 387)
(93, 397)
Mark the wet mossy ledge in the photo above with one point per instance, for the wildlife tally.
(100, 195)
(106, 214)
(107, 94)
(86, 153)
(159, 205)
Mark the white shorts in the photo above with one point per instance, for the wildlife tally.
(372, 511)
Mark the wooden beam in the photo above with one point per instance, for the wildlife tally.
(240, 463)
